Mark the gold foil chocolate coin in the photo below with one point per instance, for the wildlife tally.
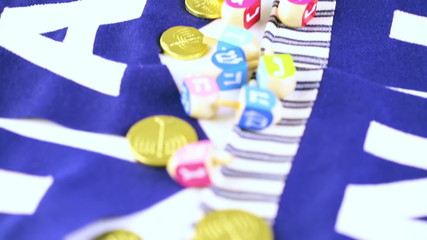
(232, 225)
(184, 43)
(119, 235)
(153, 140)
(210, 9)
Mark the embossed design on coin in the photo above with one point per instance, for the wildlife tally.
(232, 225)
(153, 140)
(184, 43)
(118, 235)
(209, 9)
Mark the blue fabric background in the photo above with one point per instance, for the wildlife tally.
(331, 153)
(87, 187)
(361, 44)
(27, 90)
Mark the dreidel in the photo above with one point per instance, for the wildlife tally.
(257, 108)
(200, 96)
(232, 68)
(233, 37)
(192, 164)
(241, 13)
(296, 13)
(276, 72)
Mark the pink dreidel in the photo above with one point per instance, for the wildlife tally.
(296, 13)
(241, 13)
(192, 165)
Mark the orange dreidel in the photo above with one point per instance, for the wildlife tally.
(296, 13)
(241, 13)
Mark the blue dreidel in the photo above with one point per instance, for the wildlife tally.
(233, 68)
(276, 72)
(258, 108)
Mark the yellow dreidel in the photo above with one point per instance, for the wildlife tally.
(296, 13)
(241, 13)
(277, 73)
(233, 37)
(192, 164)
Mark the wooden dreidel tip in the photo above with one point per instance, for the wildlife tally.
(276, 72)
(241, 13)
(259, 108)
(192, 165)
(296, 13)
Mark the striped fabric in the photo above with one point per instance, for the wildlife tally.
(254, 181)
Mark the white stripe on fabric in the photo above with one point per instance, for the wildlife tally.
(393, 208)
(312, 76)
(290, 131)
(110, 145)
(409, 28)
(298, 113)
(260, 146)
(305, 95)
(397, 146)
(21, 193)
(304, 50)
(410, 92)
(326, 5)
(321, 21)
(268, 167)
(289, 33)
(271, 187)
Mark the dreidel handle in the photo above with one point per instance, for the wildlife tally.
(209, 41)
(228, 103)
(268, 52)
(222, 158)
(253, 64)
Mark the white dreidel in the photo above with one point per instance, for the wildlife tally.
(276, 72)
(233, 37)
(296, 13)
(192, 165)
(241, 13)
(200, 96)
